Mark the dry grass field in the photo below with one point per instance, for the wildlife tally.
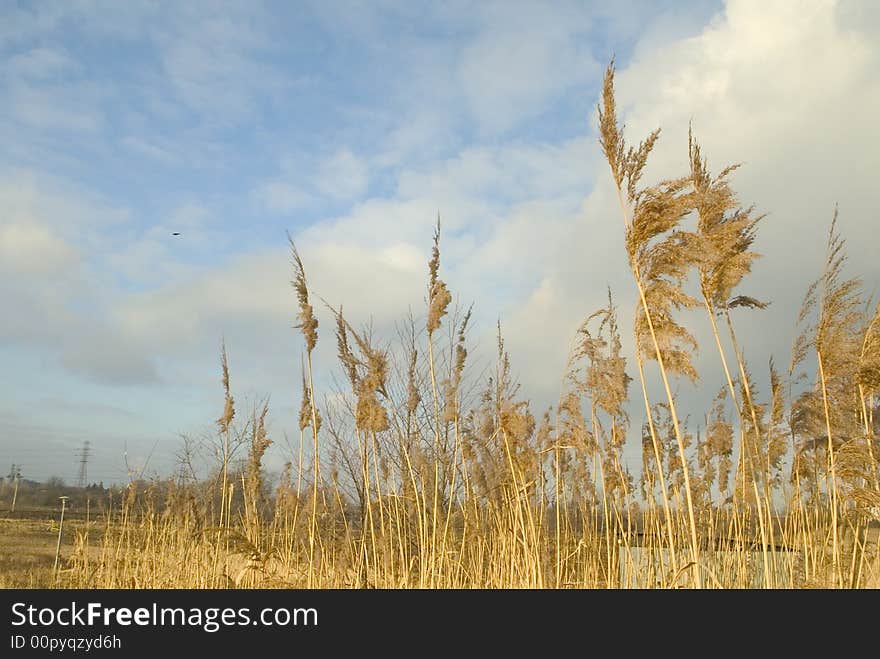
(28, 543)
(413, 475)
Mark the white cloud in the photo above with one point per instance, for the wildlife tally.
(790, 89)
(212, 63)
(280, 197)
(527, 59)
(33, 250)
(512, 172)
(342, 176)
(54, 297)
(108, 358)
(425, 133)
(79, 216)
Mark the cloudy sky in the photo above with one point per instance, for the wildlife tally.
(352, 125)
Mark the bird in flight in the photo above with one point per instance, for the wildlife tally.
(175, 233)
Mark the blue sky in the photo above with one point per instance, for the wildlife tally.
(352, 125)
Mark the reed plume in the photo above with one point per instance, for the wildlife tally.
(660, 256)
(308, 324)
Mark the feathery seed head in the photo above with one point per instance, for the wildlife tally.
(439, 296)
(229, 406)
(306, 316)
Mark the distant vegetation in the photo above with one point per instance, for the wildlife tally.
(411, 473)
(30, 494)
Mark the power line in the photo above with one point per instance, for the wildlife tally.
(83, 454)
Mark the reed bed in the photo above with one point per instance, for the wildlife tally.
(413, 473)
